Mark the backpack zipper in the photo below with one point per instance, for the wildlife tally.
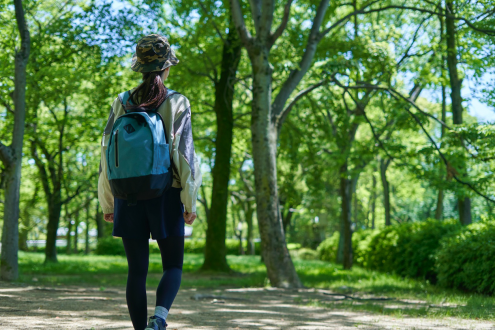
(117, 148)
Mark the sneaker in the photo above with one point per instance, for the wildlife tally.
(156, 324)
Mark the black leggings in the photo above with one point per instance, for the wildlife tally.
(137, 252)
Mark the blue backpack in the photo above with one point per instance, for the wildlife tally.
(138, 157)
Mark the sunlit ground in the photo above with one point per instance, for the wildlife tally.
(406, 296)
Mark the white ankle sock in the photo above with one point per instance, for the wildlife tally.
(161, 312)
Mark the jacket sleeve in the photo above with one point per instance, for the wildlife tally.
(184, 157)
(105, 196)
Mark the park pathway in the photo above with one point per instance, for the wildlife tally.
(29, 307)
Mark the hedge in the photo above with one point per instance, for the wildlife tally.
(408, 249)
(466, 260)
(327, 250)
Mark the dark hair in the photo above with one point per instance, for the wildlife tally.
(150, 94)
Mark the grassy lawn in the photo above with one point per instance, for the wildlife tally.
(107, 271)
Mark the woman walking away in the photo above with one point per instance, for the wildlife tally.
(149, 178)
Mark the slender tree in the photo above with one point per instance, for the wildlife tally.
(384, 163)
(463, 202)
(11, 156)
(215, 250)
(267, 118)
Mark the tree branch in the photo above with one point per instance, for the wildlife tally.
(213, 22)
(6, 155)
(281, 117)
(256, 13)
(41, 169)
(281, 28)
(8, 107)
(451, 172)
(74, 195)
(240, 25)
(422, 10)
(297, 74)
(428, 11)
(346, 18)
(415, 36)
(23, 29)
(197, 73)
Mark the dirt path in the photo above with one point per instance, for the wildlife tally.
(28, 307)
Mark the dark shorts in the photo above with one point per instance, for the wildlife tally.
(161, 217)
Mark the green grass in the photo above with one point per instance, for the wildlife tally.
(112, 271)
(107, 271)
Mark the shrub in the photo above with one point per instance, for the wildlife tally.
(293, 246)
(360, 243)
(466, 260)
(327, 250)
(110, 246)
(304, 254)
(408, 249)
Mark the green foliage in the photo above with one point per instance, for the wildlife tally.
(327, 250)
(407, 249)
(360, 243)
(466, 260)
(304, 254)
(110, 246)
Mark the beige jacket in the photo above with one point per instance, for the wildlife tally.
(176, 113)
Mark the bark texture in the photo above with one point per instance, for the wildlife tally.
(373, 202)
(12, 156)
(386, 190)
(266, 120)
(463, 202)
(86, 241)
(215, 251)
(440, 197)
(346, 221)
(280, 268)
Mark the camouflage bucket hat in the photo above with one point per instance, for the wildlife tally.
(153, 53)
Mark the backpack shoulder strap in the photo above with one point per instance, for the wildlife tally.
(169, 93)
(123, 98)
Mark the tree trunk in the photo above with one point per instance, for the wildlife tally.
(386, 190)
(345, 240)
(373, 201)
(12, 156)
(464, 202)
(86, 247)
(215, 251)
(354, 210)
(279, 265)
(76, 234)
(249, 234)
(23, 238)
(54, 210)
(286, 219)
(439, 209)
(26, 221)
(68, 246)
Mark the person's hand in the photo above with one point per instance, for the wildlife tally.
(108, 217)
(189, 217)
